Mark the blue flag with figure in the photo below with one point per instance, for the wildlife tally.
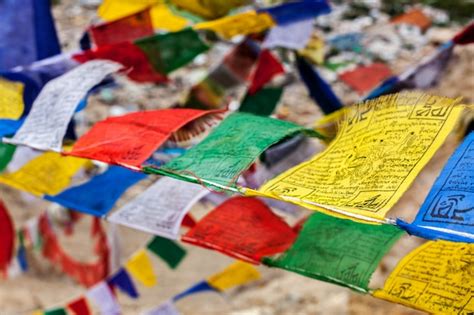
(448, 211)
(123, 281)
(199, 287)
(98, 196)
(319, 90)
(297, 10)
(27, 32)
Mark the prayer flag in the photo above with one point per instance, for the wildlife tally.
(171, 252)
(263, 102)
(79, 307)
(297, 10)
(414, 17)
(11, 99)
(210, 9)
(104, 299)
(6, 154)
(465, 36)
(122, 280)
(7, 238)
(56, 311)
(292, 35)
(199, 287)
(365, 78)
(236, 274)
(141, 268)
(167, 308)
(268, 67)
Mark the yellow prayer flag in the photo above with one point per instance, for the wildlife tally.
(48, 173)
(239, 273)
(314, 49)
(240, 24)
(381, 146)
(141, 268)
(163, 18)
(437, 277)
(209, 9)
(11, 99)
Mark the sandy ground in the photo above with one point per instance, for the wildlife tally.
(278, 292)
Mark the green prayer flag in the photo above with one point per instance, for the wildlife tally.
(170, 51)
(6, 154)
(56, 311)
(336, 250)
(263, 102)
(229, 150)
(167, 250)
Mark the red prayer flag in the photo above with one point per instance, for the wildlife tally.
(126, 29)
(267, 67)
(364, 78)
(129, 140)
(79, 307)
(414, 17)
(465, 36)
(241, 60)
(7, 238)
(189, 221)
(130, 56)
(244, 228)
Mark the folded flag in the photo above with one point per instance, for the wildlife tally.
(236, 274)
(265, 233)
(171, 252)
(141, 268)
(129, 140)
(161, 208)
(49, 173)
(11, 99)
(122, 280)
(125, 29)
(29, 36)
(229, 150)
(44, 128)
(337, 250)
(170, 51)
(136, 63)
(103, 298)
(99, 195)
(295, 11)
(448, 211)
(376, 141)
(435, 278)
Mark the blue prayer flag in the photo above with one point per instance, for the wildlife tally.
(297, 10)
(199, 287)
(122, 280)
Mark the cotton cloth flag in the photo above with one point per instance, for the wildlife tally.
(292, 35)
(167, 308)
(49, 173)
(448, 211)
(364, 171)
(161, 208)
(134, 60)
(99, 195)
(129, 140)
(122, 280)
(11, 99)
(29, 36)
(221, 230)
(79, 307)
(236, 274)
(171, 252)
(337, 250)
(44, 128)
(141, 268)
(435, 278)
(249, 22)
(170, 51)
(125, 29)
(229, 149)
(103, 298)
(297, 10)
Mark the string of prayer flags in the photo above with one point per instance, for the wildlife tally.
(122, 280)
(167, 308)
(99, 195)
(11, 99)
(435, 278)
(7, 238)
(44, 128)
(79, 307)
(6, 154)
(265, 233)
(319, 90)
(337, 250)
(248, 22)
(48, 173)
(365, 78)
(29, 36)
(130, 56)
(268, 66)
(170, 51)
(238, 273)
(103, 298)
(171, 252)
(448, 211)
(291, 36)
(263, 102)
(125, 29)
(381, 146)
(141, 268)
(229, 150)
(297, 10)
(157, 210)
(129, 140)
